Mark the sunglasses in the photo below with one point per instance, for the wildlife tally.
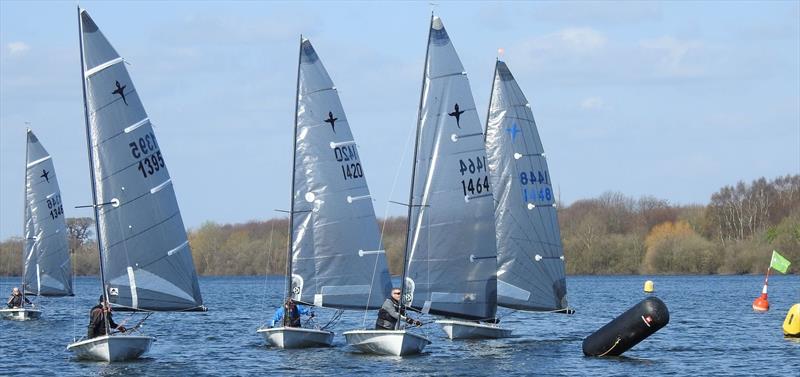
(396, 293)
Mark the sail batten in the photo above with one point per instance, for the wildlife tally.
(139, 222)
(446, 227)
(531, 274)
(47, 270)
(333, 220)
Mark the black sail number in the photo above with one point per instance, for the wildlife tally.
(470, 167)
(474, 186)
(143, 146)
(151, 164)
(147, 155)
(55, 206)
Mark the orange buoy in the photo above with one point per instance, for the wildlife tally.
(761, 304)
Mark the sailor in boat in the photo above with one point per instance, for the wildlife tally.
(15, 301)
(390, 312)
(97, 317)
(294, 310)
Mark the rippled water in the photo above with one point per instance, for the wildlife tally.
(712, 331)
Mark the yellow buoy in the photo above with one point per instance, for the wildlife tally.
(791, 325)
(649, 287)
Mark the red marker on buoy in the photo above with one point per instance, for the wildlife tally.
(761, 304)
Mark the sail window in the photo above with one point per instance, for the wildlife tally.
(344, 290)
(457, 297)
(512, 291)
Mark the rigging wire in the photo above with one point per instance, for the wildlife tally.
(411, 132)
(269, 259)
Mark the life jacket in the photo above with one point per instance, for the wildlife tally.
(385, 320)
(292, 316)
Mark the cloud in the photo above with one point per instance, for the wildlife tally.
(598, 13)
(673, 57)
(571, 40)
(593, 103)
(18, 48)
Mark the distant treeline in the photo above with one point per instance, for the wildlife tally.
(612, 234)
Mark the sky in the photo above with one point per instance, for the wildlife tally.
(670, 99)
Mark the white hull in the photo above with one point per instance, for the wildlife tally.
(296, 337)
(387, 342)
(20, 314)
(112, 348)
(472, 330)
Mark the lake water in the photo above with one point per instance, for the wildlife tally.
(712, 331)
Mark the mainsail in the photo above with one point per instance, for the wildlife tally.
(48, 271)
(338, 260)
(147, 263)
(530, 256)
(451, 254)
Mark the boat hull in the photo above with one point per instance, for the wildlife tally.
(112, 348)
(20, 314)
(296, 337)
(472, 330)
(387, 342)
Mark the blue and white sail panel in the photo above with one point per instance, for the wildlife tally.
(47, 267)
(451, 263)
(148, 262)
(337, 255)
(530, 272)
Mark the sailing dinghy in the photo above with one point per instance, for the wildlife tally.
(530, 274)
(145, 260)
(335, 257)
(450, 258)
(46, 269)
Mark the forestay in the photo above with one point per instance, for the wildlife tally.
(48, 271)
(451, 261)
(148, 263)
(338, 260)
(530, 256)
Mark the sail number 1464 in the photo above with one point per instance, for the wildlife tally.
(474, 185)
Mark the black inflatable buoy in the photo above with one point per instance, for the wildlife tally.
(627, 330)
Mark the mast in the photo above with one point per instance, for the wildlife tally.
(491, 97)
(25, 215)
(414, 172)
(291, 194)
(91, 169)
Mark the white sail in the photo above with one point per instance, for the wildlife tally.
(530, 255)
(147, 261)
(338, 260)
(451, 256)
(48, 271)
